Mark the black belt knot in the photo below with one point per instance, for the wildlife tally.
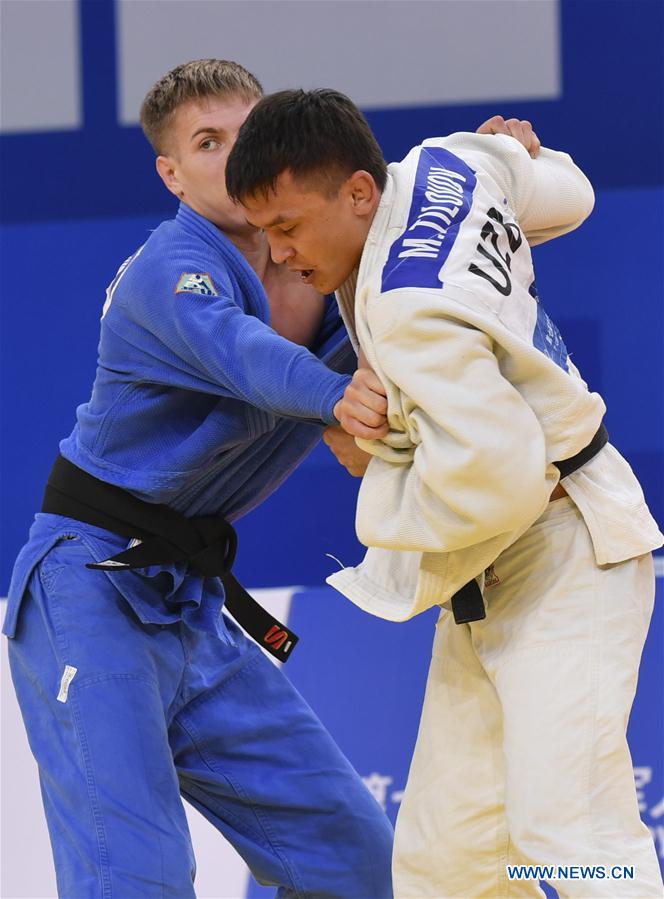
(207, 544)
(161, 536)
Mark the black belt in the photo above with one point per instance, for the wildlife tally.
(468, 603)
(207, 544)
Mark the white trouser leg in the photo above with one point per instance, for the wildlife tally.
(528, 710)
(451, 834)
(562, 643)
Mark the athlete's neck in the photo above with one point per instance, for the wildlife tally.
(253, 245)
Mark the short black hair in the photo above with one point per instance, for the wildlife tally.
(307, 133)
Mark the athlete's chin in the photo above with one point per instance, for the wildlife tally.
(324, 282)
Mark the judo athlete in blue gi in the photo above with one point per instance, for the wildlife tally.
(134, 686)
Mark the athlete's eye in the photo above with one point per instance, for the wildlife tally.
(289, 229)
(210, 143)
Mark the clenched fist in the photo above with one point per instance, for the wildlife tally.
(362, 410)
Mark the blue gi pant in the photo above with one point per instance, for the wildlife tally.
(158, 710)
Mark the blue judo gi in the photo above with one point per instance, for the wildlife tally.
(134, 686)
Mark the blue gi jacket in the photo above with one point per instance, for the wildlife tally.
(197, 403)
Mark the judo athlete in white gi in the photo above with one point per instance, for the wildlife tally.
(133, 685)
(521, 754)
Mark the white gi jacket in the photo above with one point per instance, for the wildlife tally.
(482, 396)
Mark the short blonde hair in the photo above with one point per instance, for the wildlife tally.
(193, 80)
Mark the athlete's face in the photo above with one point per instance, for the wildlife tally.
(198, 141)
(318, 233)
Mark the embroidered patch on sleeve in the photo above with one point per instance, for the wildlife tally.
(196, 282)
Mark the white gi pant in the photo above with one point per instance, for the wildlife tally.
(521, 755)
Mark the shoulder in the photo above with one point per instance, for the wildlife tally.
(435, 195)
(459, 152)
(173, 261)
(497, 157)
(479, 150)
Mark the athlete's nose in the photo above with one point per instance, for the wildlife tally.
(279, 248)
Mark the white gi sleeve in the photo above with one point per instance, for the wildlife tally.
(478, 467)
(550, 195)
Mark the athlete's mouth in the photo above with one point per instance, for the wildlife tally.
(305, 274)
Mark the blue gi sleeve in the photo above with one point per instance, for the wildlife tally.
(253, 362)
(211, 344)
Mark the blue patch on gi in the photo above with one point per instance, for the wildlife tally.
(442, 197)
(546, 336)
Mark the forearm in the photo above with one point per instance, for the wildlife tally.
(244, 358)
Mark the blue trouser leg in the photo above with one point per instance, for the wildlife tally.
(154, 710)
(109, 785)
(256, 761)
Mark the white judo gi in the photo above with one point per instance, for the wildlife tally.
(521, 754)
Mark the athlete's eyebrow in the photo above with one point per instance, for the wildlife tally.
(278, 221)
(207, 130)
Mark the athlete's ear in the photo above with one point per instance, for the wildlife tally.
(167, 171)
(362, 192)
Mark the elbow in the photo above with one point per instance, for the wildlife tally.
(584, 196)
(586, 200)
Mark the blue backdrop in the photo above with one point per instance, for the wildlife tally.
(75, 204)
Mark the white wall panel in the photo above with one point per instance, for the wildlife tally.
(39, 65)
(383, 53)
